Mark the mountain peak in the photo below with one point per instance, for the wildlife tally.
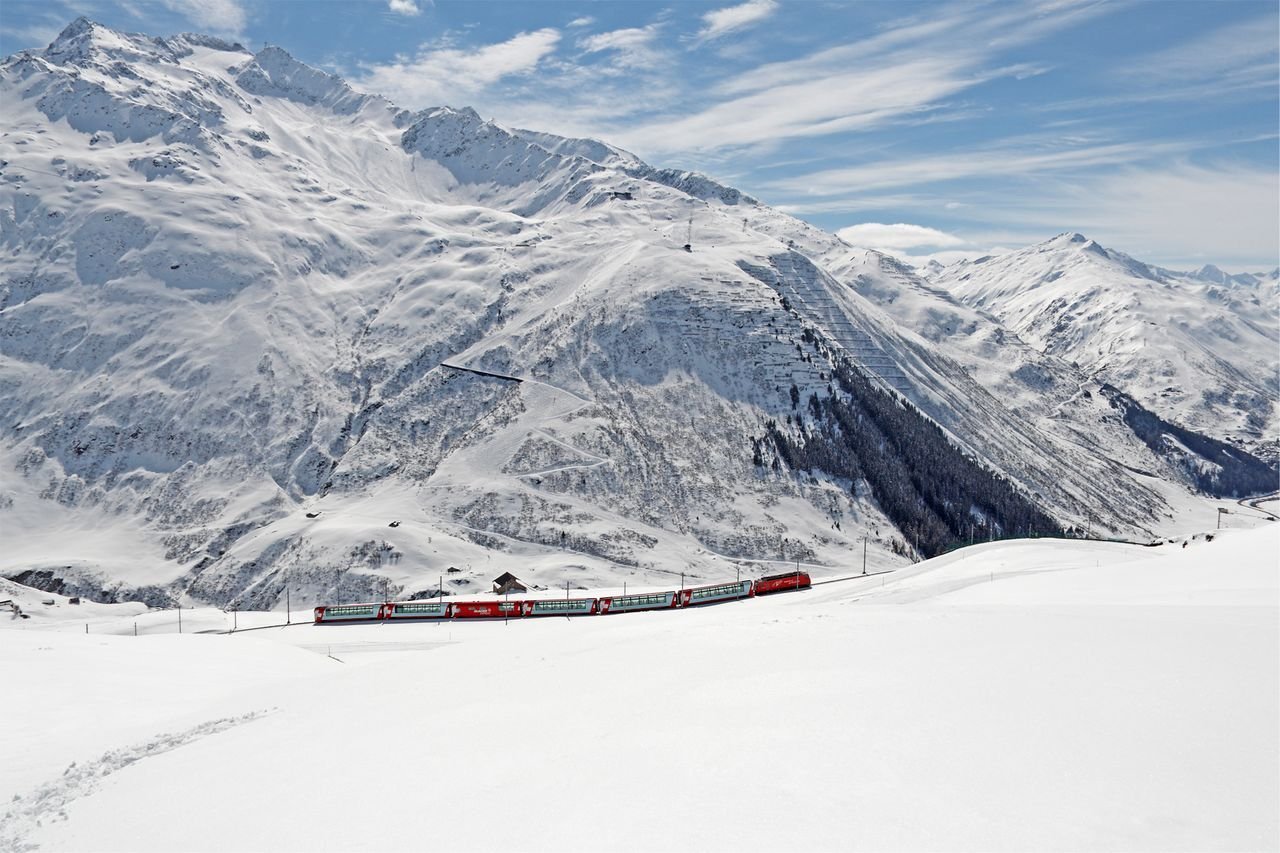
(83, 40)
(273, 71)
(1067, 239)
(74, 40)
(78, 27)
(1209, 272)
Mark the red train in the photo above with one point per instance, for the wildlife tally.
(434, 609)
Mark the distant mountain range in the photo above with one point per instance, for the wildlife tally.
(261, 332)
(1197, 348)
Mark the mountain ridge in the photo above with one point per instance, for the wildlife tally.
(224, 334)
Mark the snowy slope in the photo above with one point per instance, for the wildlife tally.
(1013, 696)
(1200, 349)
(243, 307)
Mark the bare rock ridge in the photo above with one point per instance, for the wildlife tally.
(231, 285)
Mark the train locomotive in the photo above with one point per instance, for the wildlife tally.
(436, 609)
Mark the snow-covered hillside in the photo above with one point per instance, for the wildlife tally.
(260, 332)
(1026, 695)
(1200, 349)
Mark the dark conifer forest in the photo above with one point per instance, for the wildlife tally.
(1216, 468)
(939, 497)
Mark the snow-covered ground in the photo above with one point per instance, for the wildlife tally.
(1019, 695)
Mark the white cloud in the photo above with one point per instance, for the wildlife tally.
(584, 21)
(898, 236)
(633, 46)
(223, 17)
(440, 74)
(404, 7)
(1017, 158)
(905, 72)
(840, 100)
(732, 18)
(1242, 53)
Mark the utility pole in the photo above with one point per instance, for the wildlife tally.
(1222, 510)
(288, 609)
(179, 621)
(864, 554)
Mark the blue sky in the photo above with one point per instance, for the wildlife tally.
(926, 128)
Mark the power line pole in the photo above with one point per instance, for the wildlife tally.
(864, 554)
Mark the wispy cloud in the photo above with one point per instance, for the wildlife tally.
(721, 22)
(1015, 158)
(1240, 60)
(404, 7)
(837, 101)
(223, 17)
(632, 47)
(1245, 53)
(440, 73)
(584, 21)
(903, 71)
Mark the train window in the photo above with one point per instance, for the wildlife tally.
(419, 608)
(562, 605)
(350, 610)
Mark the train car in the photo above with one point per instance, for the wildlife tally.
(718, 592)
(401, 610)
(349, 613)
(565, 606)
(641, 601)
(779, 583)
(490, 609)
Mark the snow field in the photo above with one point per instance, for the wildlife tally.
(952, 705)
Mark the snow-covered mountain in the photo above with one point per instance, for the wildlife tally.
(1201, 349)
(260, 332)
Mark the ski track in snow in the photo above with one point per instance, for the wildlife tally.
(49, 801)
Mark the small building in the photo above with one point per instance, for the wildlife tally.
(507, 582)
